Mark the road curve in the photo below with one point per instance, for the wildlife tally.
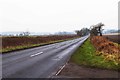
(39, 62)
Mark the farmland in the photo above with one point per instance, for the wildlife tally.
(113, 37)
(13, 43)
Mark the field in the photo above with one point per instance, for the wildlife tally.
(113, 37)
(13, 43)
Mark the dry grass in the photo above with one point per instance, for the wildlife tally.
(106, 48)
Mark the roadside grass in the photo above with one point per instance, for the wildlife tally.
(86, 56)
(15, 48)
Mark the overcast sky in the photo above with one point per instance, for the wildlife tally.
(56, 15)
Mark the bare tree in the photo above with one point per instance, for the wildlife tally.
(96, 29)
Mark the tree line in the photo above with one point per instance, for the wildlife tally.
(94, 30)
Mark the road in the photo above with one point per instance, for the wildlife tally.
(39, 62)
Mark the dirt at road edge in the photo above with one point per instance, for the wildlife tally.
(76, 71)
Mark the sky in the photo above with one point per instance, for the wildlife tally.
(56, 15)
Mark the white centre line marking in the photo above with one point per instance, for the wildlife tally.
(36, 54)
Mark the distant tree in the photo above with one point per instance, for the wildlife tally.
(78, 32)
(24, 33)
(119, 31)
(21, 34)
(10, 35)
(82, 32)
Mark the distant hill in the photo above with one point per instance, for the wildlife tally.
(111, 31)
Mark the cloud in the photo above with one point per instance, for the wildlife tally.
(54, 15)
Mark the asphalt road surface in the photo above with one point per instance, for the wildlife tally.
(39, 62)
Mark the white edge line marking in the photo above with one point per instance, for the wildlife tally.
(36, 54)
(60, 69)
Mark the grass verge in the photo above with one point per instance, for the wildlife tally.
(86, 55)
(16, 48)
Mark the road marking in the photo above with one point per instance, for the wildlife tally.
(36, 54)
(60, 69)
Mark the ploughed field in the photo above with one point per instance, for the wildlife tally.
(113, 37)
(27, 41)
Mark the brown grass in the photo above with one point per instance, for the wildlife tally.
(106, 48)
